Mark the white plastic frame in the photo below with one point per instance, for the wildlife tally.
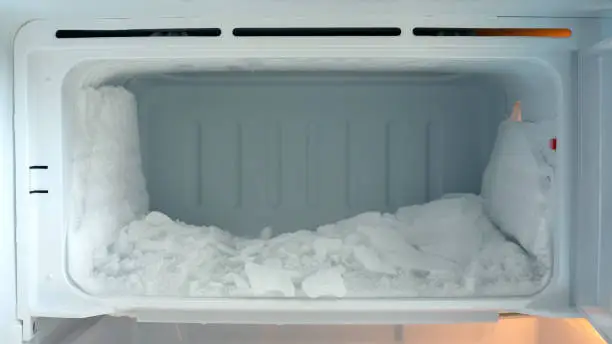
(42, 63)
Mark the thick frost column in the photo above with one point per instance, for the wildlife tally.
(108, 186)
(518, 185)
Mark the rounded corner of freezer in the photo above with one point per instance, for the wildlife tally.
(60, 295)
(548, 67)
(77, 288)
(29, 34)
(553, 300)
(71, 300)
(72, 77)
(551, 69)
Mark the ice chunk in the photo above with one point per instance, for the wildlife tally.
(222, 247)
(194, 287)
(462, 246)
(412, 259)
(383, 238)
(123, 246)
(251, 248)
(265, 280)
(353, 239)
(436, 219)
(364, 219)
(323, 246)
(370, 260)
(273, 263)
(329, 230)
(156, 218)
(326, 282)
(239, 281)
(140, 229)
(155, 245)
(407, 215)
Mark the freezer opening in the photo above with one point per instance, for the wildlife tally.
(330, 182)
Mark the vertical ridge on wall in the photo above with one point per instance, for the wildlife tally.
(408, 162)
(188, 166)
(294, 164)
(312, 168)
(347, 168)
(388, 167)
(366, 172)
(221, 174)
(238, 161)
(435, 160)
(274, 169)
(197, 126)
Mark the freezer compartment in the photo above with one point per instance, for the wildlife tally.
(70, 270)
(297, 183)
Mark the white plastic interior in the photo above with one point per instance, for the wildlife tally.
(277, 146)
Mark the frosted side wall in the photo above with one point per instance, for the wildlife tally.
(108, 188)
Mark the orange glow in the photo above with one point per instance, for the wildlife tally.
(584, 326)
(524, 32)
(513, 327)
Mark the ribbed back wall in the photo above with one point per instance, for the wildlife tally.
(293, 151)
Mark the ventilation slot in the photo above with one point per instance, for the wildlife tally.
(492, 32)
(318, 32)
(196, 32)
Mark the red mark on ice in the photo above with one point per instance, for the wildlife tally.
(552, 143)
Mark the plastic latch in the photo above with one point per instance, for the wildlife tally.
(13, 334)
(29, 329)
(38, 184)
